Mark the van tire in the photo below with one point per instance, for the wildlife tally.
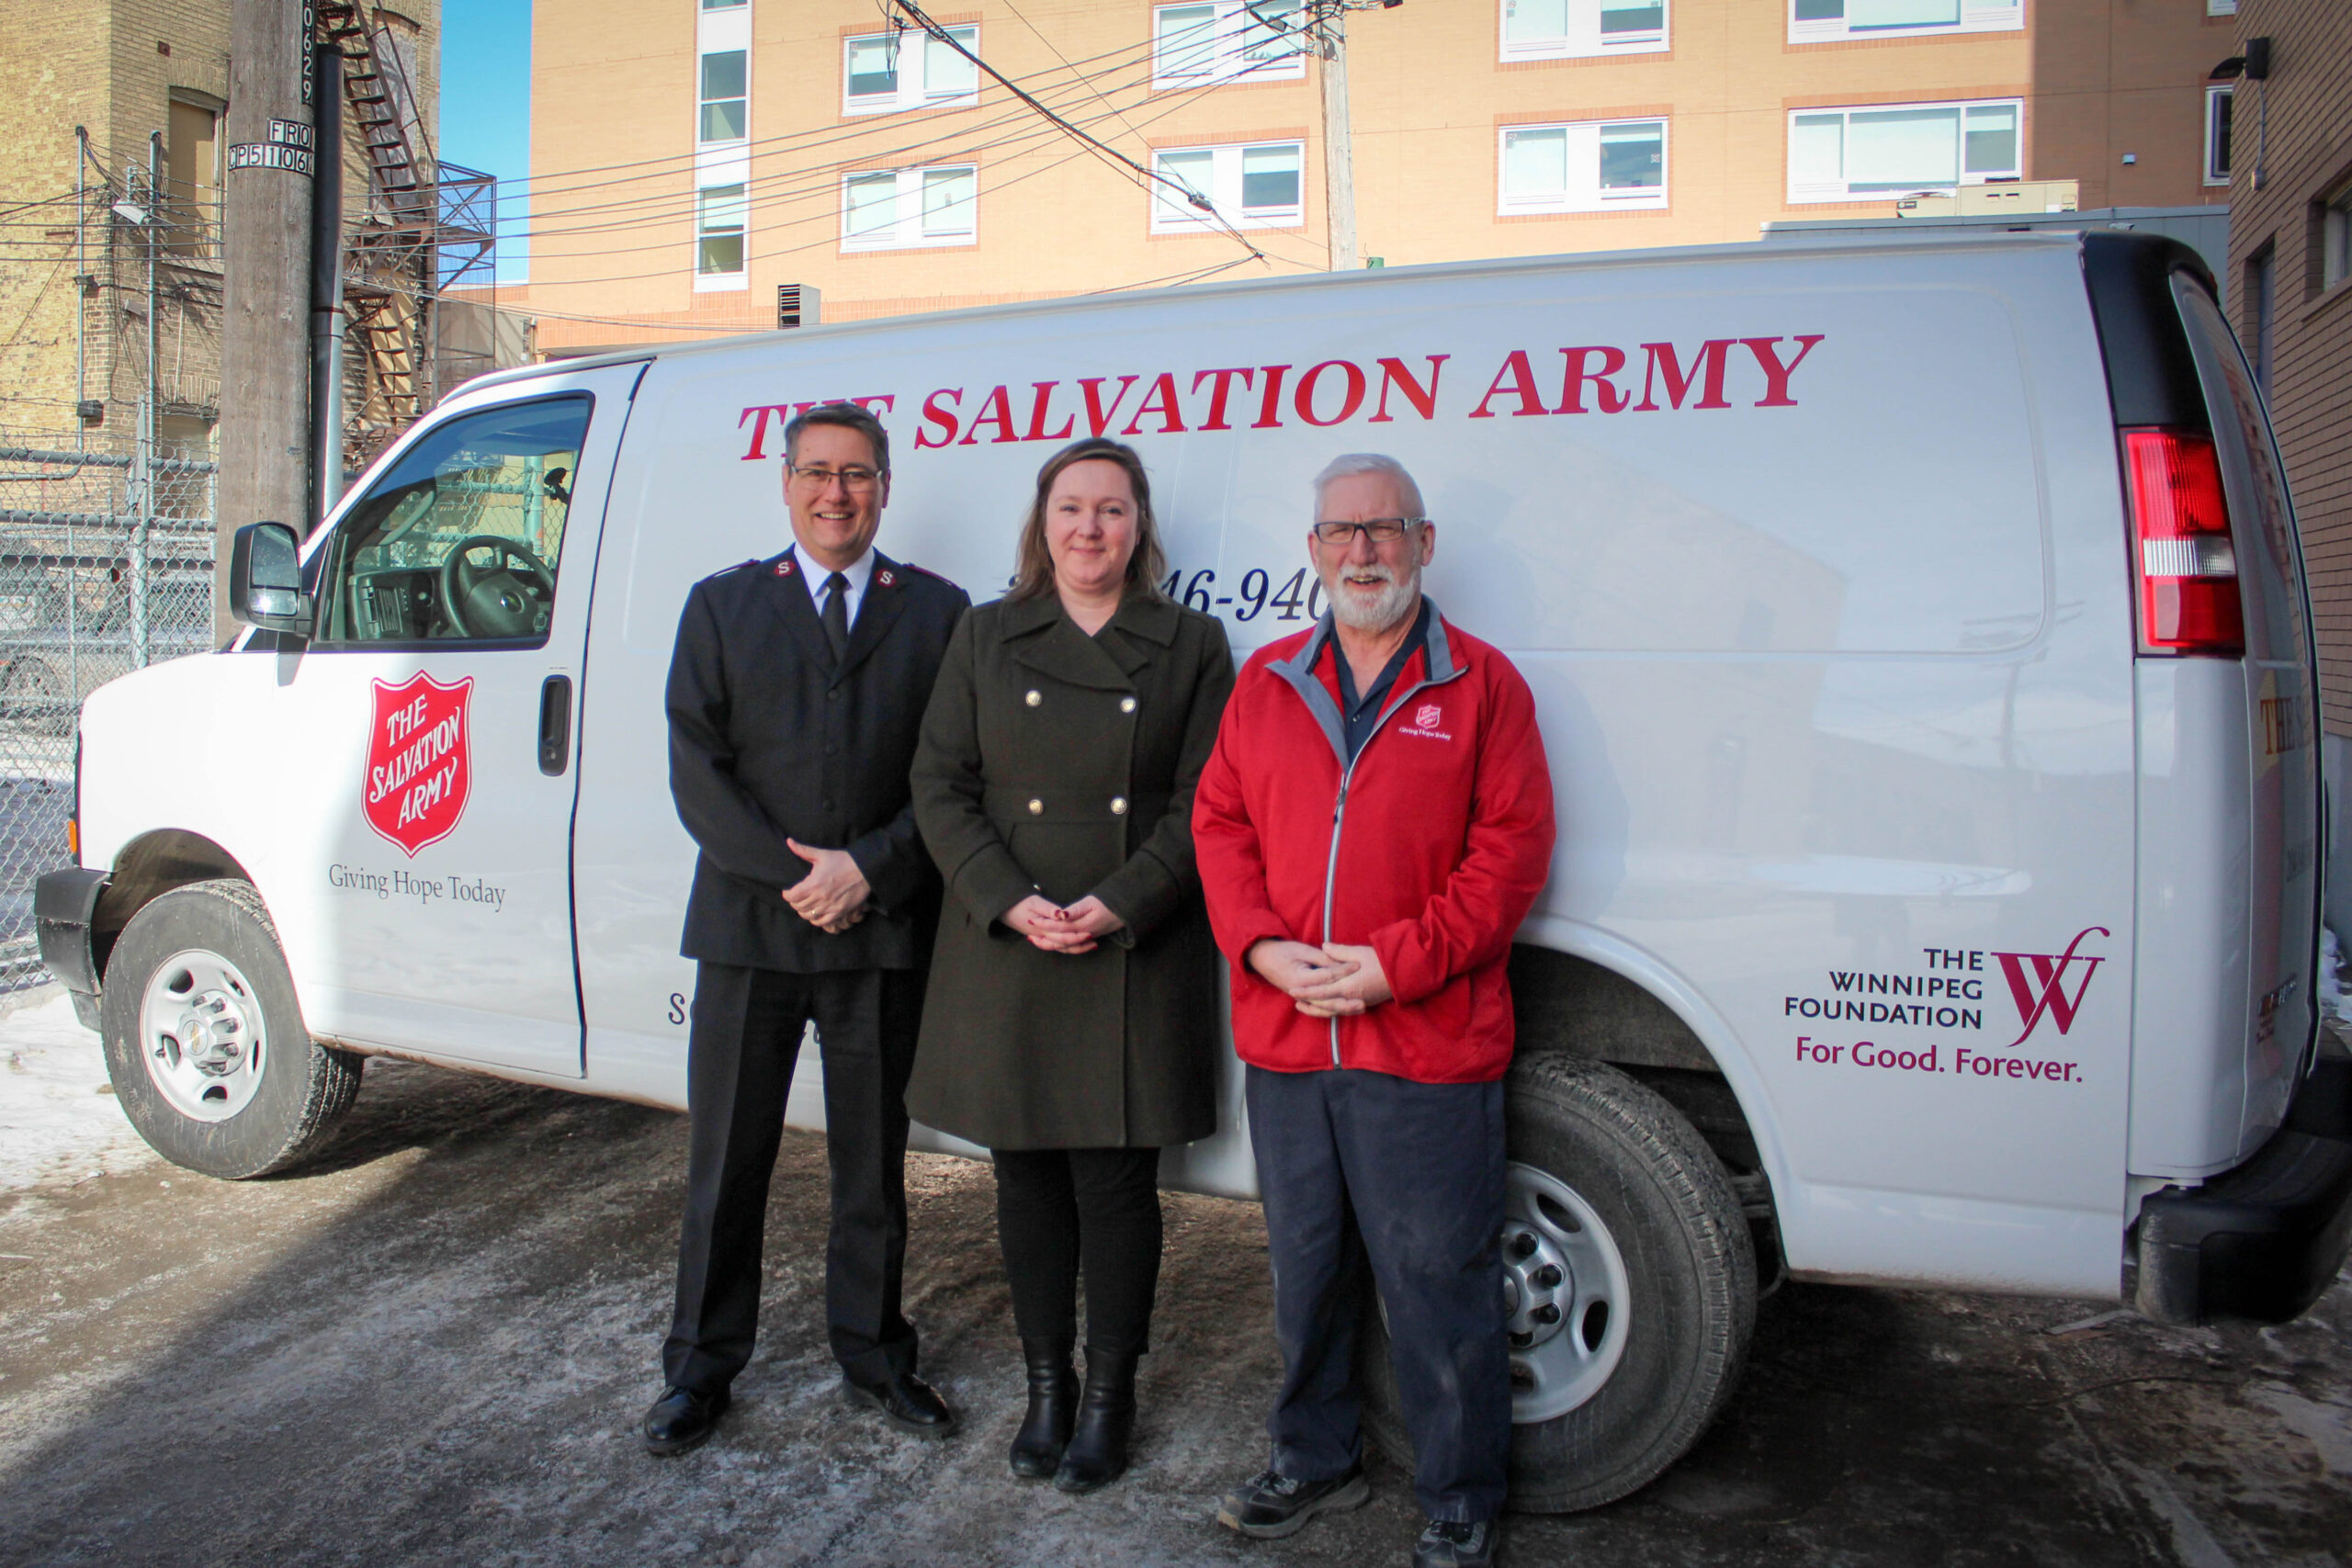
(1668, 1206)
(209, 948)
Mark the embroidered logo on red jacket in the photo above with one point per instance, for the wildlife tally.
(419, 772)
(1425, 719)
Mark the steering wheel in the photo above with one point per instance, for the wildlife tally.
(491, 600)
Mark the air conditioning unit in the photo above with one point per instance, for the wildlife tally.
(2031, 196)
(796, 305)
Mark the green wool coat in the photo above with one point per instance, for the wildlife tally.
(1055, 762)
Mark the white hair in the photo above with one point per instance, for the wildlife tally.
(1354, 463)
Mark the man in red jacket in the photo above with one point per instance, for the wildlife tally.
(1373, 825)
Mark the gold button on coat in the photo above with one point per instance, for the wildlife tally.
(1126, 704)
(1036, 807)
(1033, 698)
(1118, 805)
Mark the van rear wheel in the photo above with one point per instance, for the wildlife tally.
(1631, 1282)
(205, 1042)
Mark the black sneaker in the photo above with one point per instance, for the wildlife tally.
(1273, 1505)
(1447, 1543)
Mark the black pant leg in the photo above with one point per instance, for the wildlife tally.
(866, 1026)
(746, 1026)
(1120, 1230)
(1317, 1263)
(1425, 1174)
(1037, 1225)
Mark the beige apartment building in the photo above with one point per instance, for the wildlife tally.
(693, 158)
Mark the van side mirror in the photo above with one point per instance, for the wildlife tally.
(265, 579)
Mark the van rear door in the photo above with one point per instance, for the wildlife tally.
(2283, 711)
(2230, 818)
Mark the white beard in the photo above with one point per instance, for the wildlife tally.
(1372, 612)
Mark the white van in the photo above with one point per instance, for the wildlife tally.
(1921, 642)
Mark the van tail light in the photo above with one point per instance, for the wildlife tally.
(2188, 568)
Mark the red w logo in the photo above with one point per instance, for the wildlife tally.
(2050, 976)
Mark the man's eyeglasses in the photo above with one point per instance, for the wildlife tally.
(1379, 530)
(818, 478)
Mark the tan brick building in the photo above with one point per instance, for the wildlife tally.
(2291, 250)
(691, 156)
(73, 294)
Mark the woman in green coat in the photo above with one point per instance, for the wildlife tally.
(1070, 1024)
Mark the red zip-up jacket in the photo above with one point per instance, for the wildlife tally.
(1431, 848)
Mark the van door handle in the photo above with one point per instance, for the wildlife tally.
(555, 725)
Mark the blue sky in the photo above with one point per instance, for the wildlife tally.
(486, 110)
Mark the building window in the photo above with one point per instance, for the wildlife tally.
(1252, 186)
(724, 95)
(720, 214)
(2220, 7)
(1839, 154)
(2335, 238)
(1827, 21)
(1592, 167)
(894, 210)
(722, 5)
(883, 72)
(1195, 45)
(2217, 134)
(192, 181)
(1560, 29)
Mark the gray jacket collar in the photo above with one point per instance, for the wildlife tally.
(1299, 670)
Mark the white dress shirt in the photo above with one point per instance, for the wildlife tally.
(859, 572)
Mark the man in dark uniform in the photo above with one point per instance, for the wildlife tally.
(796, 692)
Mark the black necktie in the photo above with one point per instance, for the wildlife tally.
(836, 614)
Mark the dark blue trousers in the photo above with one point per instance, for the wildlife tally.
(1357, 1165)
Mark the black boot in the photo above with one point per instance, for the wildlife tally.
(1052, 1405)
(1097, 1454)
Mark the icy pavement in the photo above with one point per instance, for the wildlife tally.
(59, 1121)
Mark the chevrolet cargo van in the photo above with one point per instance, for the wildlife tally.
(1921, 644)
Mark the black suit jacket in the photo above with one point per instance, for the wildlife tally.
(772, 737)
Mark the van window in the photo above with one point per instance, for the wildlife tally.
(460, 540)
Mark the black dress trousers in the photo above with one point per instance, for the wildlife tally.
(746, 1035)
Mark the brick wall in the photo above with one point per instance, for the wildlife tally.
(114, 66)
(2307, 155)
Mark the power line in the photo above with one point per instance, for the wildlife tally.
(1104, 149)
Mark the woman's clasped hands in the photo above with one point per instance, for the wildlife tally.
(1053, 928)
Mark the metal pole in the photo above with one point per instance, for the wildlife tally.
(1339, 146)
(326, 284)
(146, 515)
(81, 288)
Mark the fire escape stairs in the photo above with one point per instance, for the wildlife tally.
(389, 255)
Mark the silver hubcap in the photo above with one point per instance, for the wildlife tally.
(201, 1035)
(1565, 1280)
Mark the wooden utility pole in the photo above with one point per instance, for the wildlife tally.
(1339, 146)
(265, 318)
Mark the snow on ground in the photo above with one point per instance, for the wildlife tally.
(59, 1121)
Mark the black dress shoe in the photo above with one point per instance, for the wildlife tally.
(1097, 1454)
(906, 1402)
(680, 1419)
(1052, 1405)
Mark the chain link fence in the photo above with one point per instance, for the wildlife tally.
(106, 567)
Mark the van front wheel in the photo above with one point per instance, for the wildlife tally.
(1631, 1282)
(205, 1042)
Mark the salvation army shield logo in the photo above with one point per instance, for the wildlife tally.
(1428, 715)
(419, 767)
